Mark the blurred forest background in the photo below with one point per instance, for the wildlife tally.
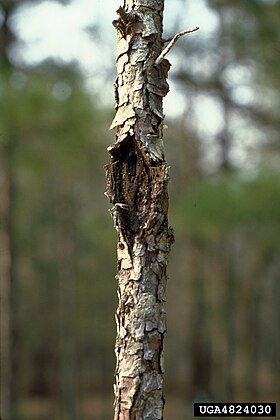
(57, 242)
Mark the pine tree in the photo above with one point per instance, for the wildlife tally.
(137, 180)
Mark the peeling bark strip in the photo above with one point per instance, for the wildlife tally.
(137, 179)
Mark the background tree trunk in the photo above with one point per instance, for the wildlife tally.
(7, 237)
(5, 289)
(137, 179)
(67, 277)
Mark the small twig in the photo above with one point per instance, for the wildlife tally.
(171, 44)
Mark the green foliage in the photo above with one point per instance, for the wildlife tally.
(230, 202)
(55, 142)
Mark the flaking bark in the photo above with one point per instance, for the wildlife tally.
(137, 179)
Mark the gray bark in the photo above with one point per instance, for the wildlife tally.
(137, 179)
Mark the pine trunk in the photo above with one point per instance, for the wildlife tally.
(137, 179)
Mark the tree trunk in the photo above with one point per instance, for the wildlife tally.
(7, 245)
(66, 251)
(5, 294)
(137, 179)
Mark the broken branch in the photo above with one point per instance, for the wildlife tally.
(172, 42)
